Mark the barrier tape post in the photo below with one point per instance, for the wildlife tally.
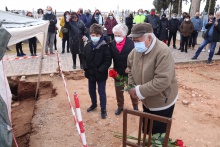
(79, 116)
(68, 96)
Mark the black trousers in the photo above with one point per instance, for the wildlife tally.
(184, 42)
(158, 127)
(19, 48)
(64, 41)
(55, 42)
(80, 58)
(172, 35)
(33, 45)
(193, 38)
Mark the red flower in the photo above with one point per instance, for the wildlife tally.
(113, 73)
(179, 143)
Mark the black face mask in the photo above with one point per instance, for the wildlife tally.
(81, 11)
(87, 13)
(131, 15)
(97, 13)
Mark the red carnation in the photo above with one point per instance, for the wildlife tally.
(113, 73)
(179, 143)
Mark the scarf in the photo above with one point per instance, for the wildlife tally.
(94, 45)
(120, 45)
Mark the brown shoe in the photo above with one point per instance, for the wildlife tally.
(52, 53)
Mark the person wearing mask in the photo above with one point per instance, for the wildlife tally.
(173, 28)
(40, 13)
(129, 22)
(186, 29)
(120, 49)
(145, 13)
(181, 21)
(153, 72)
(97, 18)
(97, 60)
(211, 36)
(64, 32)
(163, 29)
(109, 24)
(51, 29)
(32, 41)
(197, 23)
(154, 20)
(139, 18)
(88, 22)
(82, 16)
(77, 37)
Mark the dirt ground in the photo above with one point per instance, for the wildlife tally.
(48, 122)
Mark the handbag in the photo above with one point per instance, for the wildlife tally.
(64, 30)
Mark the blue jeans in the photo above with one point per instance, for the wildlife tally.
(204, 43)
(101, 91)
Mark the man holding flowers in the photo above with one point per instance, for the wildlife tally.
(153, 73)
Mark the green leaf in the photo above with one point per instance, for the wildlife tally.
(163, 135)
(157, 142)
(117, 84)
(156, 136)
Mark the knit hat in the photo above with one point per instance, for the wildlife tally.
(140, 29)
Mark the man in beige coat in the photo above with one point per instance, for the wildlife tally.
(152, 71)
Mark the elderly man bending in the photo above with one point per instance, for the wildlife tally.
(152, 71)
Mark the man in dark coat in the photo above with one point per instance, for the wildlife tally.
(163, 29)
(51, 30)
(211, 36)
(173, 28)
(129, 22)
(77, 36)
(82, 16)
(154, 20)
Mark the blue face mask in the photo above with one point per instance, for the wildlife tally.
(140, 47)
(95, 39)
(48, 12)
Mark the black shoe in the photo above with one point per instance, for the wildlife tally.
(63, 52)
(218, 53)
(182, 50)
(35, 54)
(174, 47)
(68, 51)
(103, 114)
(74, 66)
(185, 51)
(194, 58)
(92, 107)
(179, 48)
(32, 54)
(136, 108)
(208, 62)
(119, 110)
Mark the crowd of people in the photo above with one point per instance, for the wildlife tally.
(144, 37)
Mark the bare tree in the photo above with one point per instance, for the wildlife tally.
(195, 7)
(180, 8)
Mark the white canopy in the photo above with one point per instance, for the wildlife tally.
(21, 28)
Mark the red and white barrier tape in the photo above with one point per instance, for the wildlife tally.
(79, 116)
(22, 58)
(68, 96)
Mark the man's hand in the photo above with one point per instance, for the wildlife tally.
(216, 23)
(132, 92)
(84, 38)
(127, 70)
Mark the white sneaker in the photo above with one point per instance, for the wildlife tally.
(203, 50)
(208, 51)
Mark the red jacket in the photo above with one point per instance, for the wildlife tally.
(109, 24)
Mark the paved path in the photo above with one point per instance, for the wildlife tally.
(31, 66)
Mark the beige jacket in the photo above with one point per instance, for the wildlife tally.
(154, 72)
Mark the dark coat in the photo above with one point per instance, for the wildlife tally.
(53, 21)
(97, 61)
(109, 25)
(82, 17)
(153, 20)
(120, 59)
(163, 29)
(173, 25)
(94, 21)
(216, 31)
(76, 31)
(129, 23)
(186, 28)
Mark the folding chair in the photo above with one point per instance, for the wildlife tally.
(147, 116)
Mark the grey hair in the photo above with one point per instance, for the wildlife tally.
(122, 28)
(147, 34)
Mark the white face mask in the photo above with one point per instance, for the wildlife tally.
(119, 39)
(140, 13)
(48, 12)
(95, 39)
(187, 19)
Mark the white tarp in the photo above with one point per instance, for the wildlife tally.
(21, 28)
